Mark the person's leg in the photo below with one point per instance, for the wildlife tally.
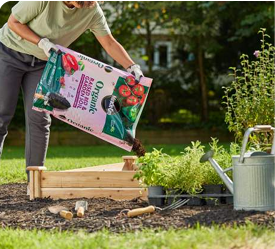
(37, 123)
(10, 82)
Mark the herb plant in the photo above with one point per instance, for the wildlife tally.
(151, 168)
(183, 173)
(223, 158)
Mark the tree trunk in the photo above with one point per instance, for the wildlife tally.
(203, 86)
(149, 47)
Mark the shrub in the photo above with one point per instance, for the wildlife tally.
(250, 97)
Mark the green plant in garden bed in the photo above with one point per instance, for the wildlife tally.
(223, 157)
(249, 99)
(154, 168)
(190, 172)
(183, 173)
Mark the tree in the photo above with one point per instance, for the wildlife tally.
(199, 28)
(216, 33)
(240, 22)
(213, 33)
(133, 25)
(135, 22)
(5, 12)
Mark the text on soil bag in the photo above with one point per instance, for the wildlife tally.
(99, 85)
(83, 92)
(95, 62)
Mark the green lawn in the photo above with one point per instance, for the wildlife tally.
(249, 236)
(12, 169)
(12, 165)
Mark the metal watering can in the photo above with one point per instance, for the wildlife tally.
(253, 174)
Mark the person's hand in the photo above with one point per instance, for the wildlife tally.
(136, 71)
(47, 46)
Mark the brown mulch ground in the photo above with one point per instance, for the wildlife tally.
(17, 211)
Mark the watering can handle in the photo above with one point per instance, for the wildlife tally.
(257, 128)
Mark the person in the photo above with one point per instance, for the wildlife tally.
(32, 31)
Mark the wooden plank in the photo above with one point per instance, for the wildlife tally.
(129, 162)
(32, 168)
(130, 157)
(37, 182)
(31, 184)
(112, 193)
(89, 179)
(107, 167)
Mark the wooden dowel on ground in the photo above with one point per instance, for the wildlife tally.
(66, 214)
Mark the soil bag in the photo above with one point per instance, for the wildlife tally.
(92, 96)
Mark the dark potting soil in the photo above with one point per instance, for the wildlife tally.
(17, 211)
(138, 148)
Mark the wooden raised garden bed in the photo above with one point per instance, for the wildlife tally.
(113, 181)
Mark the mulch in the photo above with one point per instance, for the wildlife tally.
(17, 211)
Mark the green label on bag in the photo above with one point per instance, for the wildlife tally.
(121, 114)
(50, 81)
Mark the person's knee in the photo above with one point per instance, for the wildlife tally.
(5, 121)
(39, 120)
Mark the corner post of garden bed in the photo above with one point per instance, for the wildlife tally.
(35, 181)
(129, 162)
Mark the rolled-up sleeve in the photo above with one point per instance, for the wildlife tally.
(27, 11)
(99, 25)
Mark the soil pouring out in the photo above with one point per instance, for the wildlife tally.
(138, 148)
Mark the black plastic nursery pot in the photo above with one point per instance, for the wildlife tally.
(156, 196)
(195, 201)
(213, 189)
(211, 195)
(175, 195)
(227, 199)
(172, 196)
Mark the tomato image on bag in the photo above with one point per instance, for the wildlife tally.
(130, 80)
(132, 100)
(138, 90)
(102, 100)
(142, 99)
(124, 91)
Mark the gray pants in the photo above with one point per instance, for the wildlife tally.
(18, 70)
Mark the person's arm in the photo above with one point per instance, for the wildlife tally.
(115, 50)
(26, 33)
(119, 54)
(23, 30)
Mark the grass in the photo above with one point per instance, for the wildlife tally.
(64, 157)
(249, 236)
(12, 164)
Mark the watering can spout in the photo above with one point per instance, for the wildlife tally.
(208, 156)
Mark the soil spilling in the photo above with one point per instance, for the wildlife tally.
(17, 211)
(138, 148)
